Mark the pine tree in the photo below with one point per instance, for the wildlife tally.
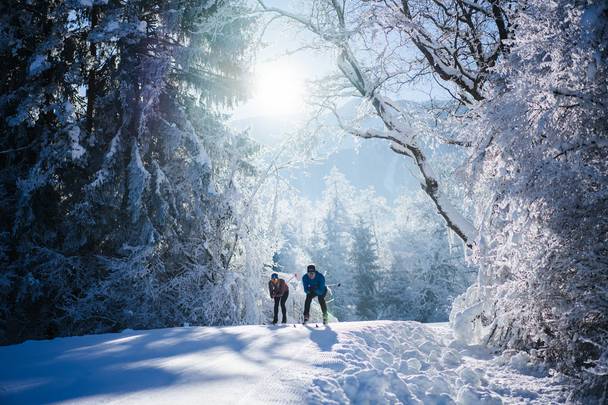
(365, 266)
(337, 239)
(287, 258)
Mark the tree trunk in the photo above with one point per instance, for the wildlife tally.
(92, 81)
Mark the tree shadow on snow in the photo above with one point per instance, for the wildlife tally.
(114, 364)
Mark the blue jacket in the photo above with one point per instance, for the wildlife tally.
(316, 286)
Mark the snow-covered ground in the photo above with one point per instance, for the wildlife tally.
(354, 362)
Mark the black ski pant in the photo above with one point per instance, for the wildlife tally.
(280, 300)
(309, 298)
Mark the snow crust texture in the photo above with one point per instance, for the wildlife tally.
(413, 363)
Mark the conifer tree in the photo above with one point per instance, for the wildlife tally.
(364, 262)
(336, 236)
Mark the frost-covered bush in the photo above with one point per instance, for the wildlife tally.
(539, 174)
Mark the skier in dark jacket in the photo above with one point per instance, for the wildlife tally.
(314, 286)
(279, 291)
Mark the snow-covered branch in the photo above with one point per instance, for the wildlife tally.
(459, 41)
(401, 137)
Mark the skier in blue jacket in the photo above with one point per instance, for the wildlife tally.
(314, 286)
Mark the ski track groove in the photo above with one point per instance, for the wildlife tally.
(274, 387)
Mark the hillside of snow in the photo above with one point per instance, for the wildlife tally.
(354, 362)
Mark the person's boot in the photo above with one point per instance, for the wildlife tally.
(324, 319)
(284, 320)
(274, 321)
(305, 321)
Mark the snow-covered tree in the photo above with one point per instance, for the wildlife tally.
(365, 267)
(539, 174)
(401, 261)
(335, 240)
(288, 257)
(382, 45)
(117, 207)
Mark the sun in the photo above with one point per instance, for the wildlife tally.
(279, 89)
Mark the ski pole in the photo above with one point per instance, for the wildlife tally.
(331, 292)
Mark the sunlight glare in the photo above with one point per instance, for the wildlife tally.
(279, 89)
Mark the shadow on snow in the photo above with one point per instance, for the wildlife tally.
(79, 367)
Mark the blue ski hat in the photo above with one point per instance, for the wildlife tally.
(274, 275)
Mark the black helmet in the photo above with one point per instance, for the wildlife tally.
(311, 268)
